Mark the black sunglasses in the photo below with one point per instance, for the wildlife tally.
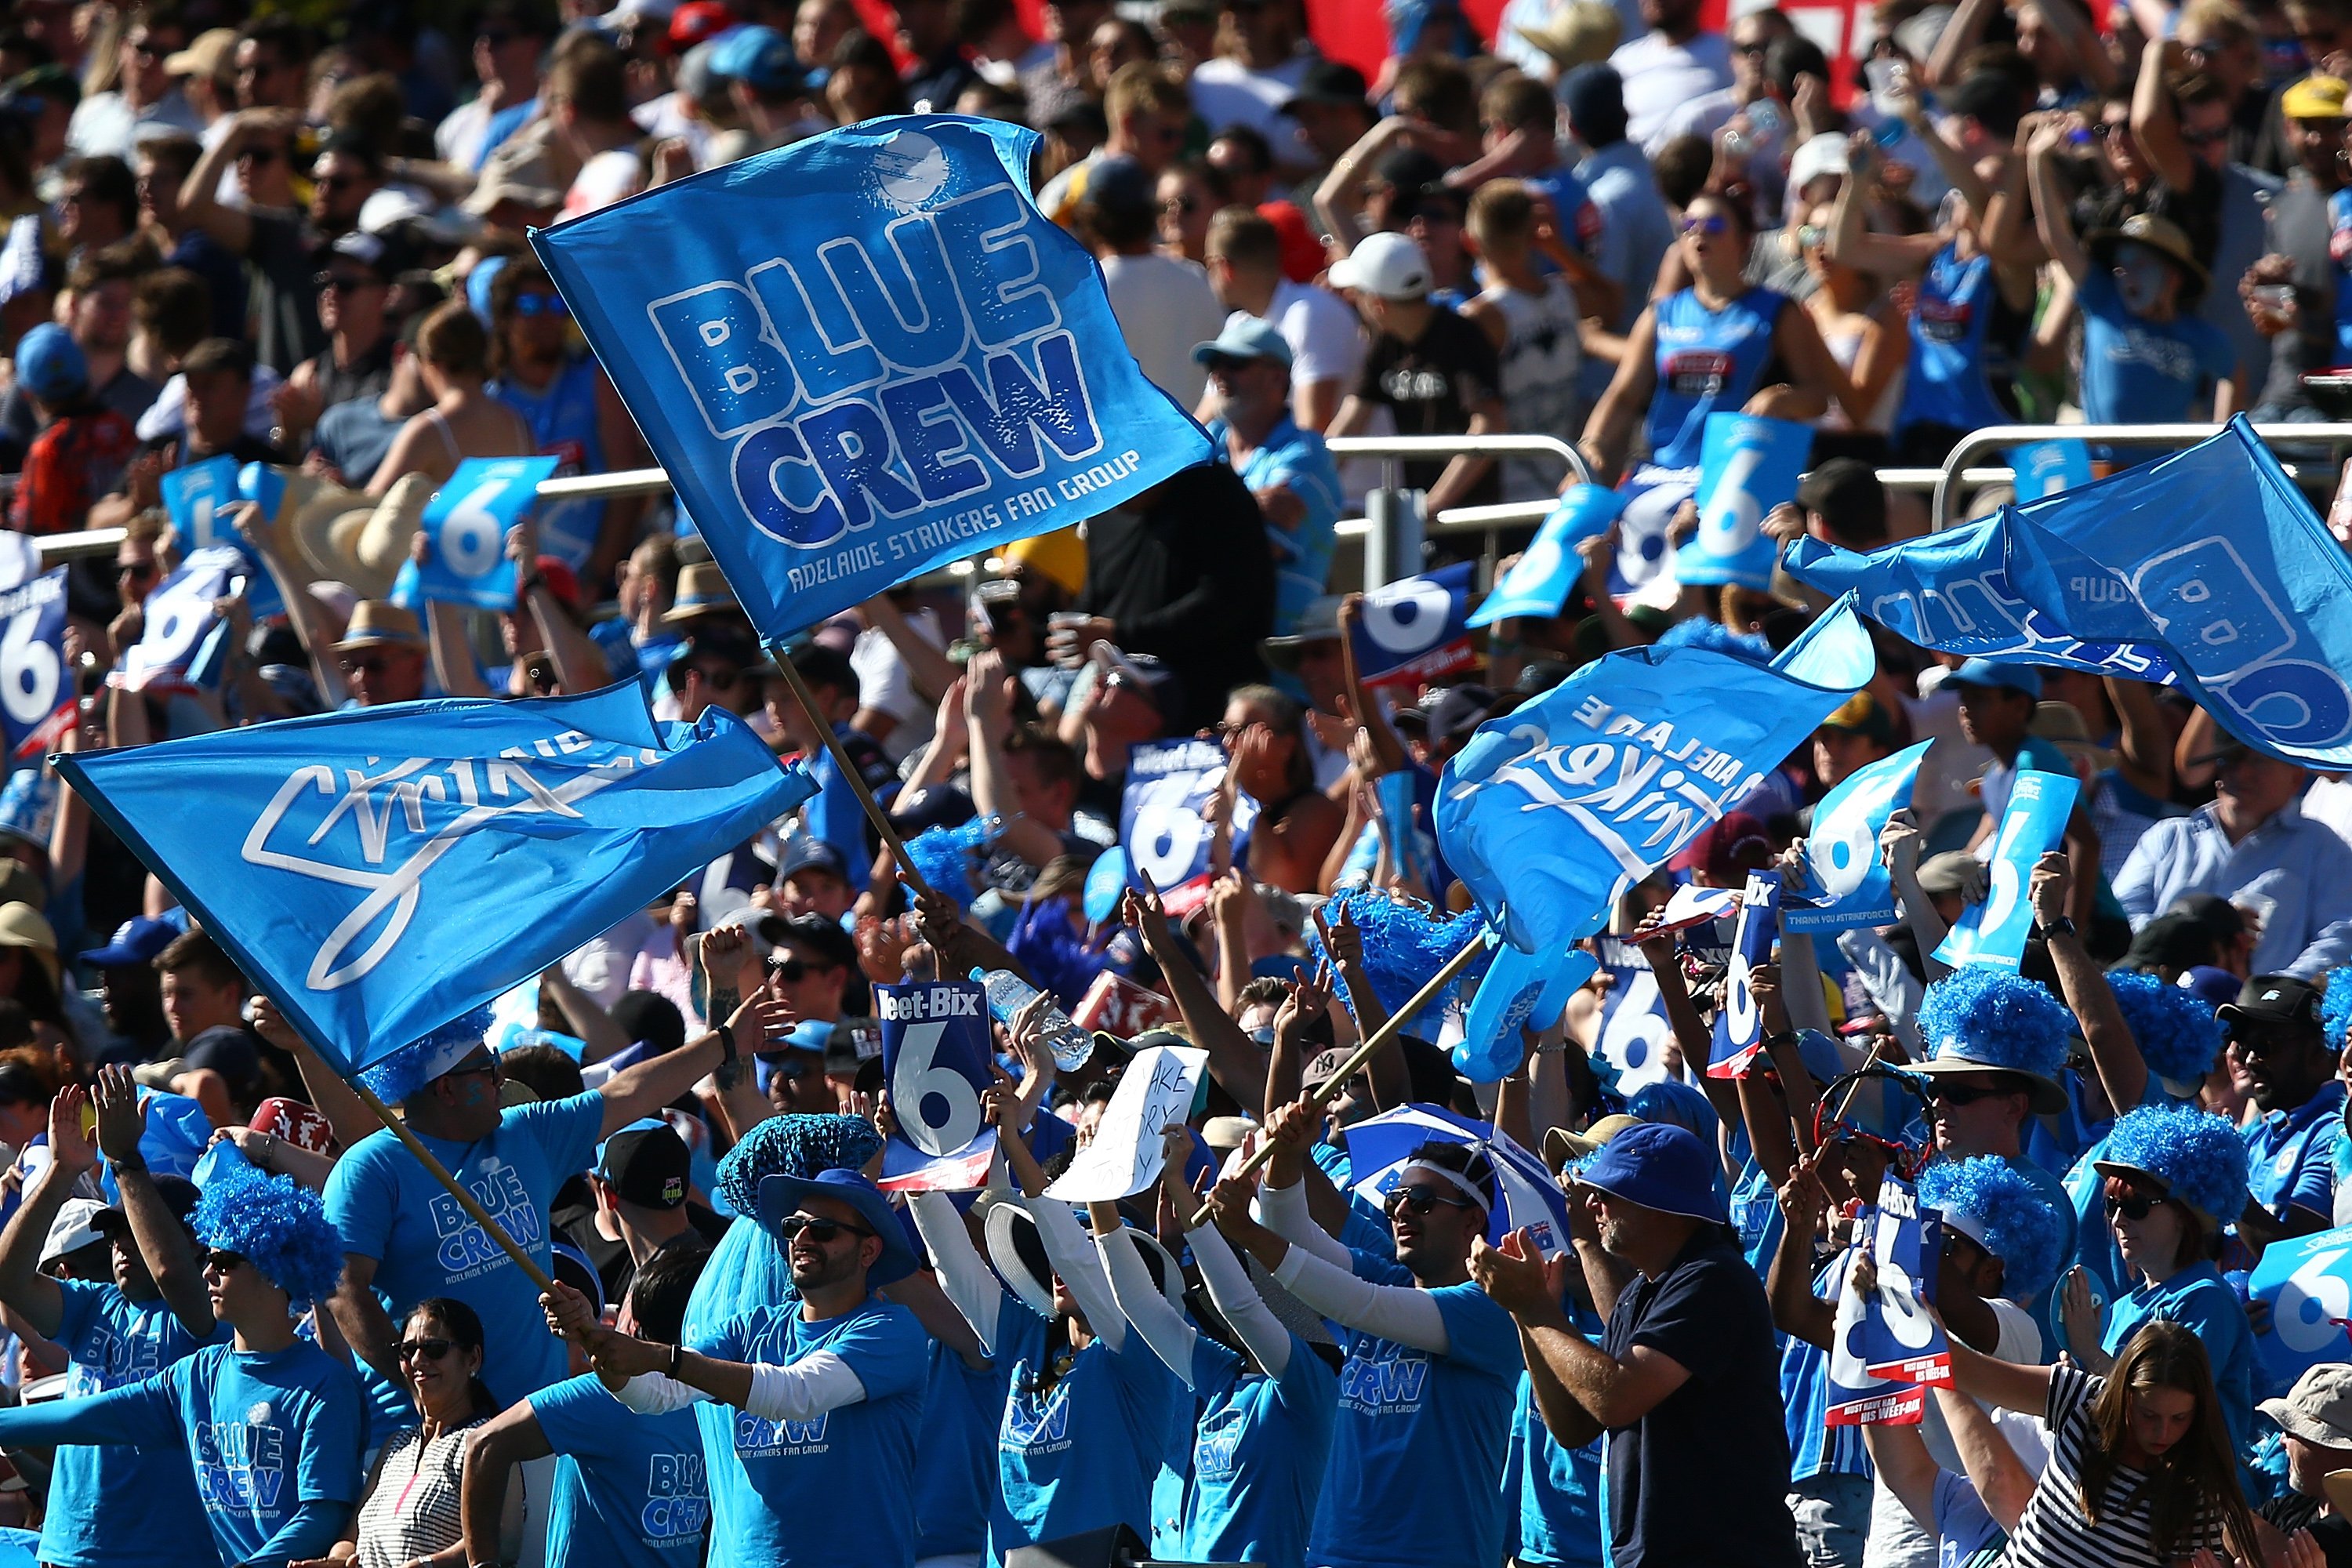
(1964, 1093)
(822, 1231)
(2138, 1206)
(257, 156)
(133, 569)
(432, 1349)
(788, 970)
(224, 1262)
(1420, 1200)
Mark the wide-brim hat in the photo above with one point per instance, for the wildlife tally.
(2142, 1176)
(1660, 1166)
(1578, 34)
(307, 522)
(702, 590)
(375, 624)
(1018, 1253)
(22, 925)
(2317, 1409)
(2156, 234)
(382, 539)
(2045, 1096)
(781, 1194)
(1318, 622)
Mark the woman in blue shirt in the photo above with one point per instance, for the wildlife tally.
(1718, 346)
(2173, 1176)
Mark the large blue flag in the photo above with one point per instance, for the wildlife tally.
(378, 872)
(1951, 591)
(865, 354)
(2212, 556)
(1554, 809)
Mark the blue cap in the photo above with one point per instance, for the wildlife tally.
(1245, 337)
(136, 941)
(807, 853)
(2217, 987)
(1991, 672)
(1658, 1166)
(760, 58)
(49, 363)
(780, 1196)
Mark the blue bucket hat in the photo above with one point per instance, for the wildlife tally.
(1658, 1166)
(780, 1196)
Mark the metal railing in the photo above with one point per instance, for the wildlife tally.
(1992, 437)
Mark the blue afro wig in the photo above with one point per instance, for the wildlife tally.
(943, 857)
(2336, 1004)
(419, 1062)
(2199, 1157)
(1716, 637)
(793, 1146)
(276, 1224)
(2006, 1214)
(2176, 1030)
(1404, 943)
(1997, 1019)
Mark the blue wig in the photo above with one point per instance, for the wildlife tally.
(275, 1223)
(1997, 1019)
(2199, 1157)
(2177, 1032)
(1405, 944)
(1677, 1104)
(419, 1062)
(2006, 1214)
(2336, 1004)
(1716, 637)
(793, 1146)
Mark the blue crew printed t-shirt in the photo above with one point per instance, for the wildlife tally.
(955, 1486)
(831, 1491)
(389, 1209)
(1558, 1492)
(2200, 1301)
(1417, 1457)
(2138, 372)
(118, 1507)
(631, 1489)
(1258, 1456)
(1083, 1454)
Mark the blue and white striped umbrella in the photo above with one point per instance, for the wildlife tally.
(1380, 1146)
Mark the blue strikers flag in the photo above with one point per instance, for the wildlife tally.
(1415, 629)
(936, 1057)
(36, 700)
(2306, 1282)
(380, 871)
(1739, 1022)
(1748, 466)
(1162, 823)
(1847, 885)
(2034, 824)
(1548, 569)
(466, 523)
(865, 355)
(1519, 991)
(1554, 809)
(1885, 1346)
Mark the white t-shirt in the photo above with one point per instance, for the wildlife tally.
(884, 685)
(1661, 76)
(1226, 92)
(606, 178)
(1326, 339)
(1164, 306)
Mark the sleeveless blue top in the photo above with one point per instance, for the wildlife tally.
(1708, 361)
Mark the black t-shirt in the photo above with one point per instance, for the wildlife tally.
(2300, 227)
(367, 376)
(286, 253)
(1433, 385)
(1703, 1477)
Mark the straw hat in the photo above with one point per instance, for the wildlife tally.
(309, 522)
(2160, 234)
(22, 925)
(375, 543)
(375, 623)
(702, 590)
(1581, 33)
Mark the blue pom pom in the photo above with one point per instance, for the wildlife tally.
(944, 858)
(2200, 1157)
(793, 1146)
(419, 1062)
(2336, 1004)
(1716, 637)
(2176, 1030)
(1997, 1019)
(2022, 1227)
(1405, 944)
(277, 1226)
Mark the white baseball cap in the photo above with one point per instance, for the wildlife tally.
(1391, 265)
(75, 1227)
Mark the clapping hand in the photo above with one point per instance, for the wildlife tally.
(1517, 1277)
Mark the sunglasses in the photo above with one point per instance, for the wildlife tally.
(537, 304)
(475, 1070)
(1753, 51)
(339, 283)
(2206, 138)
(367, 664)
(1420, 1200)
(221, 1262)
(336, 183)
(2133, 1205)
(821, 1231)
(1711, 223)
(791, 971)
(257, 156)
(134, 571)
(431, 1350)
(719, 680)
(1964, 1093)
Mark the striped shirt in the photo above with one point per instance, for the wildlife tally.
(2054, 1534)
(412, 1509)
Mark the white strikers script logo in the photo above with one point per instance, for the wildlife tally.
(404, 816)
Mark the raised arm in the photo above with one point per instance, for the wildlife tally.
(161, 1239)
(24, 1289)
(1237, 1301)
(1163, 1328)
(1404, 1313)
(1796, 1310)
(963, 1273)
(2156, 124)
(1900, 1456)
(2114, 1054)
(1851, 243)
(988, 718)
(2051, 218)
(2003, 1483)
(1235, 1062)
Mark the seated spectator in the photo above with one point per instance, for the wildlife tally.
(353, 291)
(464, 419)
(1164, 304)
(350, 441)
(218, 380)
(83, 445)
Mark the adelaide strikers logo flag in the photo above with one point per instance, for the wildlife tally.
(863, 356)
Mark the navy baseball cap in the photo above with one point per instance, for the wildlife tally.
(806, 853)
(1659, 1166)
(137, 941)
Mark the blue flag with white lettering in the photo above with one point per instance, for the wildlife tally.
(1748, 466)
(381, 871)
(1415, 629)
(37, 701)
(1554, 809)
(2032, 825)
(466, 524)
(865, 354)
(1845, 883)
(1548, 569)
(2212, 556)
(1951, 591)
(2306, 1282)
(195, 498)
(936, 1057)
(2045, 468)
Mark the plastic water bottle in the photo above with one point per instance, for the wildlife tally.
(1008, 993)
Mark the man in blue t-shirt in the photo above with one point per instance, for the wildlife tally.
(113, 1507)
(1682, 1379)
(802, 1407)
(2280, 1057)
(406, 1239)
(630, 1492)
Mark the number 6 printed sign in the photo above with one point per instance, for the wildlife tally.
(935, 1058)
(466, 524)
(36, 700)
(1748, 466)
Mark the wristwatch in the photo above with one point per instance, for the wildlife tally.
(2062, 926)
(730, 1070)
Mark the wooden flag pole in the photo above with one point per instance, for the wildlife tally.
(1328, 1089)
(856, 782)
